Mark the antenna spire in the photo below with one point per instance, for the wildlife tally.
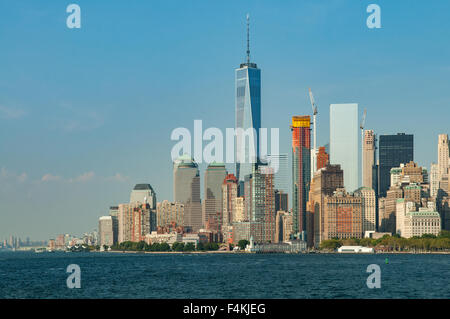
(248, 38)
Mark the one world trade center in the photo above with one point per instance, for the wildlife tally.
(248, 115)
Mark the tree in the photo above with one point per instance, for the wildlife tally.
(189, 247)
(243, 243)
(330, 244)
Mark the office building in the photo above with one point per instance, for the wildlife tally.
(248, 114)
(186, 184)
(301, 172)
(212, 203)
(105, 231)
(281, 201)
(393, 151)
(280, 165)
(344, 137)
(143, 193)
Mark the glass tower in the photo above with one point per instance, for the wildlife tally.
(344, 137)
(393, 151)
(248, 114)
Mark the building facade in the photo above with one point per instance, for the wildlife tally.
(393, 151)
(301, 172)
(186, 184)
(213, 203)
(169, 214)
(105, 231)
(343, 216)
(368, 160)
(324, 183)
(248, 115)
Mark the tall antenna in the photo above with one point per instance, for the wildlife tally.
(248, 38)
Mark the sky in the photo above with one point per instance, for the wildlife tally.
(85, 114)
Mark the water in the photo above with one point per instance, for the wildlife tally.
(110, 275)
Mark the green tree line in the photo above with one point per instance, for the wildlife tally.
(426, 243)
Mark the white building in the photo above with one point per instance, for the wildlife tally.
(355, 249)
(170, 238)
(410, 222)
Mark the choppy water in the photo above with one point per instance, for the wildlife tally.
(108, 275)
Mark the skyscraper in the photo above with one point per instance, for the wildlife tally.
(301, 171)
(105, 231)
(248, 113)
(186, 189)
(280, 162)
(212, 203)
(368, 158)
(443, 155)
(142, 193)
(394, 150)
(344, 142)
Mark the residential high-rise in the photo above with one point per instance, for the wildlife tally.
(434, 180)
(301, 171)
(369, 213)
(143, 193)
(368, 158)
(248, 114)
(280, 163)
(260, 203)
(322, 158)
(114, 213)
(169, 214)
(343, 216)
(229, 194)
(212, 202)
(393, 151)
(443, 155)
(239, 210)
(105, 231)
(135, 221)
(324, 183)
(344, 137)
(186, 189)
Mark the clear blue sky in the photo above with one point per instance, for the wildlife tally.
(86, 114)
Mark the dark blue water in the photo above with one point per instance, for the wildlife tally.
(109, 275)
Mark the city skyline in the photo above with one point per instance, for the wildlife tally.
(44, 180)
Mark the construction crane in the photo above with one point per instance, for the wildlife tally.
(361, 126)
(315, 111)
